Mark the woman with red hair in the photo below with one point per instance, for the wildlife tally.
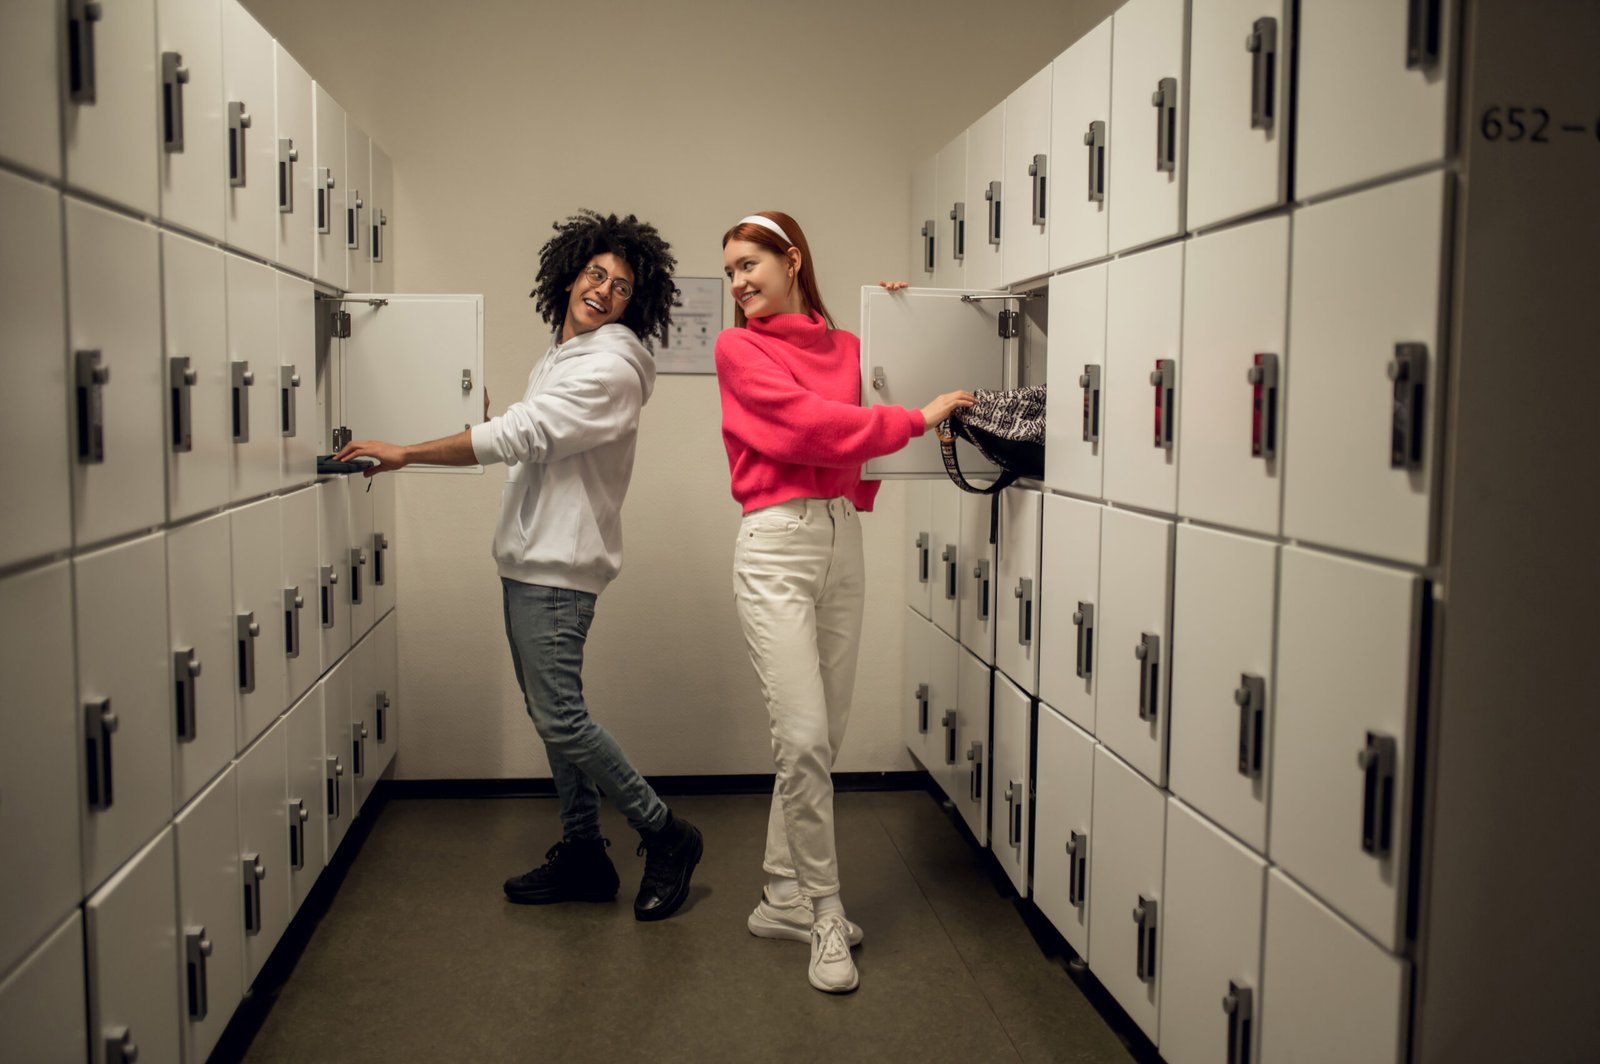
(797, 435)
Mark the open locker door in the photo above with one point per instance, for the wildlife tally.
(413, 368)
(919, 343)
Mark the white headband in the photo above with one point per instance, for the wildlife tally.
(767, 223)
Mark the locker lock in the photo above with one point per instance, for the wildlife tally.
(880, 380)
(466, 380)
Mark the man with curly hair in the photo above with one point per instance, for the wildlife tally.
(604, 284)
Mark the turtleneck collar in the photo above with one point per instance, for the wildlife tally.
(802, 330)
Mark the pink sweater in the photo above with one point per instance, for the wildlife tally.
(792, 418)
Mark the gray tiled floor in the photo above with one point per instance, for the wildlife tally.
(419, 958)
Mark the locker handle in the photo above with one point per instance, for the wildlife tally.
(288, 381)
(1262, 44)
(197, 947)
(288, 155)
(254, 873)
(1377, 763)
(238, 121)
(174, 76)
(958, 242)
(1409, 373)
(92, 376)
(975, 755)
(329, 579)
(1144, 914)
(358, 558)
(335, 773)
(243, 379)
(1422, 34)
(1014, 806)
(929, 261)
(1095, 141)
(1262, 377)
(324, 187)
(358, 749)
(181, 378)
(1240, 1007)
(1077, 869)
(381, 715)
(185, 670)
(1083, 621)
(948, 722)
(297, 833)
(380, 551)
(980, 573)
(922, 708)
(246, 630)
(293, 603)
(377, 235)
(81, 17)
(1165, 379)
(948, 556)
(120, 1046)
(1037, 170)
(1023, 593)
(352, 219)
(1165, 101)
(992, 196)
(1089, 381)
(100, 723)
(1148, 651)
(1251, 698)
(924, 557)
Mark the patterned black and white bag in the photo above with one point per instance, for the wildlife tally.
(1007, 428)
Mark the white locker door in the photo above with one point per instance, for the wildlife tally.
(359, 597)
(920, 343)
(407, 364)
(34, 449)
(1225, 594)
(917, 716)
(977, 578)
(203, 651)
(1372, 95)
(293, 156)
(196, 377)
(131, 932)
(193, 117)
(302, 642)
(110, 73)
(359, 745)
(1235, 365)
(386, 700)
(328, 179)
(30, 87)
(1075, 397)
(307, 806)
(1349, 643)
(1331, 996)
(1009, 811)
(1149, 112)
(340, 804)
(950, 184)
(970, 782)
(381, 544)
(1364, 328)
(1135, 655)
(259, 673)
(1143, 378)
(1026, 225)
(944, 697)
(210, 919)
(945, 594)
(923, 224)
(984, 261)
(333, 564)
(253, 400)
(1239, 110)
(919, 534)
(126, 729)
(1080, 137)
(264, 846)
(357, 205)
(380, 223)
(1215, 896)
(296, 383)
(250, 98)
(42, 1004)
(1069, 565)
(1017, 589)
(1064, 780)
(1130, 820)
(114, 373)
(42, 877)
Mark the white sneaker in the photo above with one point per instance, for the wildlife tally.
(832, 969)
(792, 921)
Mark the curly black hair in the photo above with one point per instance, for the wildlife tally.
(587, 234)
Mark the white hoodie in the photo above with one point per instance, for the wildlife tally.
(570, 444)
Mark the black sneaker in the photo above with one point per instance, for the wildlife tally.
(574, 870)
(670, 855)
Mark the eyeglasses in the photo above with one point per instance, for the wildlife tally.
(598, 276)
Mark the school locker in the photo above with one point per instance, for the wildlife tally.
(385, 582)
(925, 228)
(328, 180)
(978, 575)
(293, 157)
(333, 563)
(1075, 412)
(196, 378)
(1063, 806)
(385, 702)
(338, 780)
(945, 519)
(1136, 638)
(1130, 816)
(970, 778)
(357, 206)
(259, 673)
(986, 196)
(950, 189)
(359, 599)
(1010, 814)
(296, 386)
(1029, 217)
(360, 737)
(944, 714)
(203, 650)
(1069, 567)
(210, 919)
(30, 87)
(307, 803)
(1080, 140)
(263, 846)
(921, 579)
(1149, 112)
(34, 445)
(42, 1005)
(301, 648)
(1018, 590)
(1144, 378)
(193, 130)
(130, 927)
(916, 689)
(110, 88)
(253, 382)
(250, 96)
(380, 222)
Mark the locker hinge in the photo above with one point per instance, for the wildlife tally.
(341, 436)
(341, 323)
(1008, 324)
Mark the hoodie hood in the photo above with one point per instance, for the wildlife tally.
(612, 339)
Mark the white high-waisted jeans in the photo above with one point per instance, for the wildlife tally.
(799, 585)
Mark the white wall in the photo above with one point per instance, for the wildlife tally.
(504, 116)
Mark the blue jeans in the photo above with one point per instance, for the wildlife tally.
(547, 627)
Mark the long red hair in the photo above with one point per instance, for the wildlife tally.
(761, 236)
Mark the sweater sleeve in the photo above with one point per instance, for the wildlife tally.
(574, 414)
(766, 409)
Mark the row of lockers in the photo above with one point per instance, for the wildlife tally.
(187, 111)
(150, 664)
(158, 956)
(1174, 116)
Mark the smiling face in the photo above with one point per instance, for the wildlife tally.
(592, 305)
(762, 281)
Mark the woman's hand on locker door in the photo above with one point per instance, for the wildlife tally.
(389, 456)
(894, 286)
(944, 406)
(486, 402)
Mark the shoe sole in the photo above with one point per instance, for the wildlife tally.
(679, 896)
(519, 898)
(855, 981)
(763, 928)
